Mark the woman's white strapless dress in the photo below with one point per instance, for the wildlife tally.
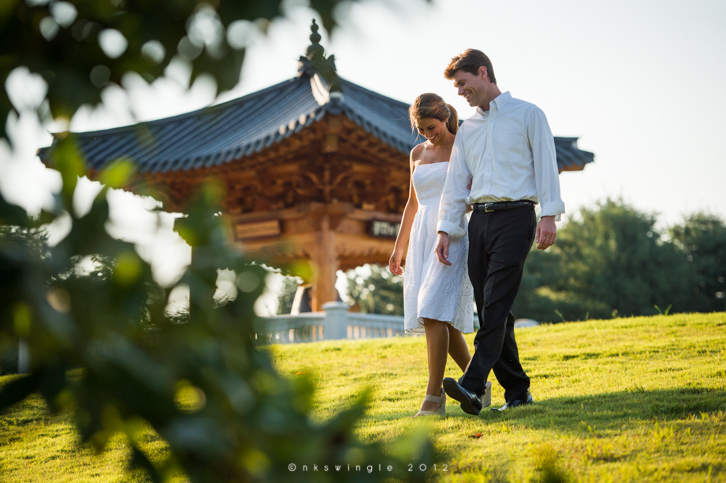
(431, 289)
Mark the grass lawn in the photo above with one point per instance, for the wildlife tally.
(638, 399)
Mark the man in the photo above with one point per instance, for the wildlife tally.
(507, 152)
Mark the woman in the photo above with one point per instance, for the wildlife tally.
(437, 299)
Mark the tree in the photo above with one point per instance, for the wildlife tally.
(35, 242)
(80, 46)
(35, 239)
(535, 298)
(614, 258)
(703, 238)
(378, 293)
(608, 261)
(287, 295)
(200, 382)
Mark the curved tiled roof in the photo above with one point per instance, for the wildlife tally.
(232, 130)
(208, 137)
(569, 155)
(222, 133)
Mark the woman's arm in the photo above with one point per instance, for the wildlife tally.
(394, 264)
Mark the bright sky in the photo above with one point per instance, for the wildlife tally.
(640, 82)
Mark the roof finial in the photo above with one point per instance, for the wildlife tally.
(316, 65)
(314, 50)
(315, 36)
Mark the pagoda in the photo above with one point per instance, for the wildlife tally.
(316, 168)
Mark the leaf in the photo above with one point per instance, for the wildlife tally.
(52, 382)
(12, 214)
(118, 174)
(66, 158)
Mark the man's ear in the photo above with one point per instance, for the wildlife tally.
(483, 72)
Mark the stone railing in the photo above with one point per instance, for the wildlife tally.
(333, 324)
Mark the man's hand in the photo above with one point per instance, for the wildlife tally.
(442, 248)
(546, 232)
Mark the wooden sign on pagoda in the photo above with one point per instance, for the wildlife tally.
(316, 167)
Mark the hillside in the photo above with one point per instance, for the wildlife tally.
(639, 399)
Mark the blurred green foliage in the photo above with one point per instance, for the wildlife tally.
(247, 422)
(34, 241)
(79, 47)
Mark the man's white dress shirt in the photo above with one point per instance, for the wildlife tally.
(508, 153)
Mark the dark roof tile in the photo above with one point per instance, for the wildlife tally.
(222, 133)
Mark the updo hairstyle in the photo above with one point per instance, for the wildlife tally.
(432, 106)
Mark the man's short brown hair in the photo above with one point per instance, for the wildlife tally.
(470, 61)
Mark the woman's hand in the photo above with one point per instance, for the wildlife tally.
(394, 264)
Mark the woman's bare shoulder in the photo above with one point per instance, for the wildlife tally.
(417, 151)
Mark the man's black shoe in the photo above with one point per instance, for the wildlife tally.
(470, 402)
(516, 402)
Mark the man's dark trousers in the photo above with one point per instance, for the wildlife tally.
(499, 242)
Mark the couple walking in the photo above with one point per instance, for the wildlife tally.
(502, 162)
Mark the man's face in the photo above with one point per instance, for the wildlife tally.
(472, 87)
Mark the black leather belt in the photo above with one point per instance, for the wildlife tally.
(501, 205)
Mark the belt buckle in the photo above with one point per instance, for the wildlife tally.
(487, 208)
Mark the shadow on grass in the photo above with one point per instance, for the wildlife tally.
(597, 416)
(610, 410)
(607, 410)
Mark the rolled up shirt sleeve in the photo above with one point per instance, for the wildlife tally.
(453, 204)
(545, 165)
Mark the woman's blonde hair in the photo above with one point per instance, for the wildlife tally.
(433, 106)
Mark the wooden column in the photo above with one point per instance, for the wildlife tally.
(325, 265)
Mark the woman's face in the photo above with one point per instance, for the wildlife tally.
(432, 129)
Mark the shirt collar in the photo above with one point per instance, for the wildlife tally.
(498, 102)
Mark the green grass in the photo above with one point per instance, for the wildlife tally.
(639, 399)
(36, 446)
